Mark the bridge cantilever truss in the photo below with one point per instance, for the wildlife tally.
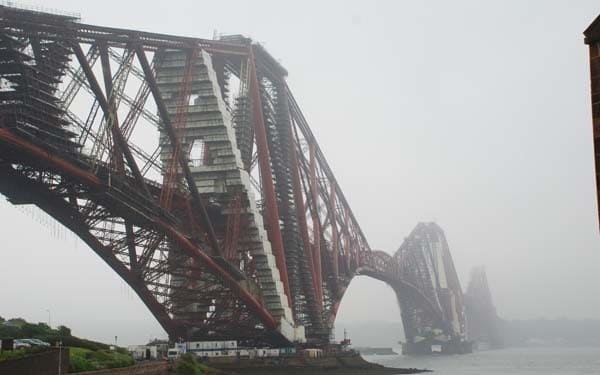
(188, 167)
(422, 275)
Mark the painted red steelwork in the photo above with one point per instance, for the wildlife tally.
(301, 208)
(272, 215)
(347, 240)
(113, 118)
(46, 157)
(315, 220)
(334, 232)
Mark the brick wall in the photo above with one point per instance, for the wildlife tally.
(154, 368)
(595, 86)
(44, 363)
(592, 39)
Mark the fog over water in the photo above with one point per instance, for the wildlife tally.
(473, 114)
(514, 361)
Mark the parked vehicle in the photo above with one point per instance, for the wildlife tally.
(28, 343)
(173, 353)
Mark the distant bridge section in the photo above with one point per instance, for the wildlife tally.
(422, 275)
(187, 165)
(483, 321)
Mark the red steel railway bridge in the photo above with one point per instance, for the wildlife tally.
(188, 167)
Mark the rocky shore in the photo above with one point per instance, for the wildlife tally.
(375, 351)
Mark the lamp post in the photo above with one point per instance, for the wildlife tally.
(49, 318)
(60, 357)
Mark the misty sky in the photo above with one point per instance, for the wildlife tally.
(475, 115)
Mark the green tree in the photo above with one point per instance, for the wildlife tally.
(35, 330)
(9, 332)
(64, 331)
(2, 320)
(18, 322)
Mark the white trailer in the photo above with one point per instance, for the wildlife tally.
(174, 353)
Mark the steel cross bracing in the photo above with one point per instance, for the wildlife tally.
(188, 167)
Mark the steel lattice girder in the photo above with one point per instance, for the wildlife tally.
(102, 180)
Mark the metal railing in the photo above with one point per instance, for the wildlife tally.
(37, 8)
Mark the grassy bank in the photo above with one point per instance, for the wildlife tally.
(18, 328)
(89, 360)
(187, 364)
(84, 355)
(20, 353)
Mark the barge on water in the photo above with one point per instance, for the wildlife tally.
(434, 346)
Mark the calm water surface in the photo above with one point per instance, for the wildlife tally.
(514, 361)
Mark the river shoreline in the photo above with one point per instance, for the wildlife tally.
(346, 365)
(324, 371)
